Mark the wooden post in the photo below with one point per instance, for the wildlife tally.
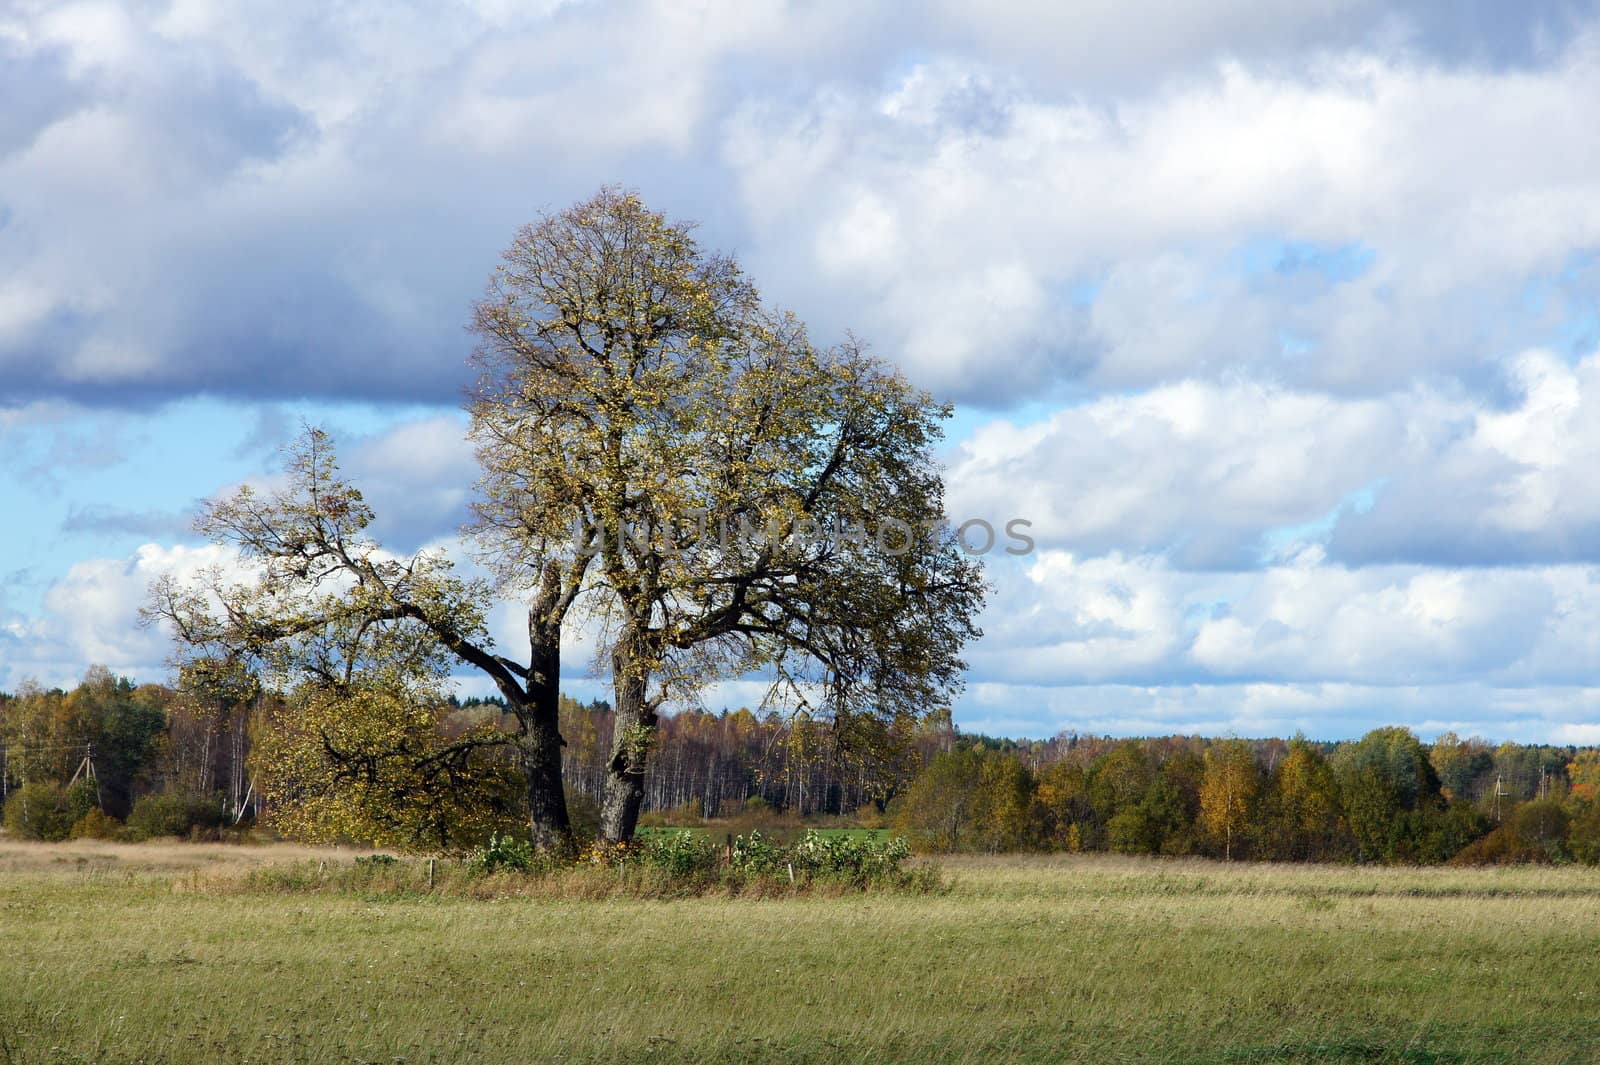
(430, 874)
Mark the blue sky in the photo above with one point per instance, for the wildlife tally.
(1279, 321)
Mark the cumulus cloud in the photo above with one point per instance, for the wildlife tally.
(90, 615)
(1222, 475)
(208, 196)
(419, 477)
(1071, 621)
(1135, 619)
(1346, 228)
(1300, 298)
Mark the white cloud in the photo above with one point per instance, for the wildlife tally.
(1313, 277)
(1073, 621)
(418, 476)
(1220, 474)
(1322, 711)
(339, 177)
(91, 616)
(1458, 186)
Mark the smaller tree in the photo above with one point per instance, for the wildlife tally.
(373, 764)
(1544, 825)
(1118, 781)
(1062, 803)
(1302, 816)
(1583, 776)
(39, 810)
(365, 640)
(1003, 803)
(938, 809)
(1228, 792)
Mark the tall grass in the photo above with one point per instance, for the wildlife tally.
(1023, 959)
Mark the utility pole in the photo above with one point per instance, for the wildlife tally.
(86, 770)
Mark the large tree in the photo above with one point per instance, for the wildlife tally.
(714, 495)
(728, 498)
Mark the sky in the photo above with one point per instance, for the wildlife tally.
(1279, 321)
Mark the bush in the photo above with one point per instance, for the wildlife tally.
(681, 855)
(82, 796)
(757, 855)
(39, 810)
(503, 852)
(1500, 847)
(1544, 826)
(852, 858)
(173, 813)
(1584, 837)
(1446, 834)
(96, 824)
(670, 864)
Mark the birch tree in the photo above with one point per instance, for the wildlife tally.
(1228, 791)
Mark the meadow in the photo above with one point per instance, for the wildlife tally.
(165, 953)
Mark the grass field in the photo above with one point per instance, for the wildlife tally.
(104, 959)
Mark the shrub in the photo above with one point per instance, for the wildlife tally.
(1500, 847)
(1584, 838)
(82, 796)
(96, 824)
(173, 813)
(851, 858)
(1448, 833)
(503, 852)
(1544, 826)
(39, 810)
(680, 854)
(757, 855)
(671, 864)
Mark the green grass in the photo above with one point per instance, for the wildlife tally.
(112, 958)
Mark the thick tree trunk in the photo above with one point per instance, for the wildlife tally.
(633, 730)
(541, 744)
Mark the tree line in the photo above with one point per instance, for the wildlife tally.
(1387, 797)
(114, 757)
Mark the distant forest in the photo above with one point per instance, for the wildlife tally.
(114, 758)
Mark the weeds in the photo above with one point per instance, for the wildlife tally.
(675, 865)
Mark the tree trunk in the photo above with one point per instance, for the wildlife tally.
(633, 730)
(542, 742)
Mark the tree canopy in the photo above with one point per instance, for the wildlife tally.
(665, 459)
(728, 498)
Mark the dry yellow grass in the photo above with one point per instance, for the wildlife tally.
(157, 858)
